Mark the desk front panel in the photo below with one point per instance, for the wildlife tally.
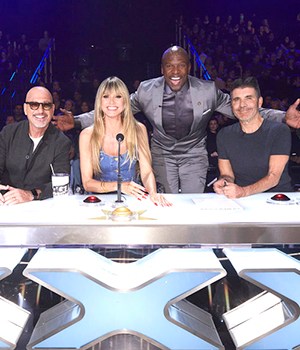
(214, 220)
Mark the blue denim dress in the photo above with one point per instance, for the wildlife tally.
(109, 168)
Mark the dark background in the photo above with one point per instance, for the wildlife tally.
(124, 37)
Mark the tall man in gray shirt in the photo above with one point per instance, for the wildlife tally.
(179, 107)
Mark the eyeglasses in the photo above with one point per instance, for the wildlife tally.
(36, 105)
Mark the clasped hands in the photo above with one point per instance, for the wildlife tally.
(133, 189)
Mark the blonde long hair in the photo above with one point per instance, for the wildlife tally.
(133, 135)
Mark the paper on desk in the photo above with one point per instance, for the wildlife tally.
(217, 203)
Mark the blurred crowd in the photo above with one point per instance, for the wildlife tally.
(246, 46)
(12, 51)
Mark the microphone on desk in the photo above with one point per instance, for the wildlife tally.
(120, 138)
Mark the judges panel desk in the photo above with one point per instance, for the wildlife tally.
(212, 221)
(159, 283)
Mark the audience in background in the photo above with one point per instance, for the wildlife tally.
(58, 104)
(229, 46)
(246, 46)
(211, 146)
(10, 120)
(18, 113)
(70, 105)
(5, 66)
(85, 107)
(44, 41)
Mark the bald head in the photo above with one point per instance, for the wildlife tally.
(39, 109)
(38, 91)
(175, 66)
(175, 50)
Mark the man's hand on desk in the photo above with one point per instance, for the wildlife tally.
(10, 195)
(228, 189)
(3, 190)
(232, 190)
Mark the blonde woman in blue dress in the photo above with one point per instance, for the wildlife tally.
(98, 147)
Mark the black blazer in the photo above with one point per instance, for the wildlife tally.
(21, 168)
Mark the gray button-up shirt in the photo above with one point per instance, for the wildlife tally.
(177, 112)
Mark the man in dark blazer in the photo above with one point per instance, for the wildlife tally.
(179, 107)
(28, 148)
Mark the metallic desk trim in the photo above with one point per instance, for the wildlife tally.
(147, 234)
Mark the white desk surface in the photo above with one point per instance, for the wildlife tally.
(194, 219)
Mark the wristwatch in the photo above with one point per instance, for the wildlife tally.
(35, 194)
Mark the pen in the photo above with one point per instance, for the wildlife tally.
(212, 182)
(207, 111)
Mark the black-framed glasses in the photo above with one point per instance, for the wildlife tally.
(36, 105)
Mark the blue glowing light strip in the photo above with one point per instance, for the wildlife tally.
(198, 60)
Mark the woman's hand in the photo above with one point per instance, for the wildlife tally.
(139, 192)
(159, 199)
(133, 189)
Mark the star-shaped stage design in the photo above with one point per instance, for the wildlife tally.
(12, 317)
(143, 298)
(271, 319)
(122, 214)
